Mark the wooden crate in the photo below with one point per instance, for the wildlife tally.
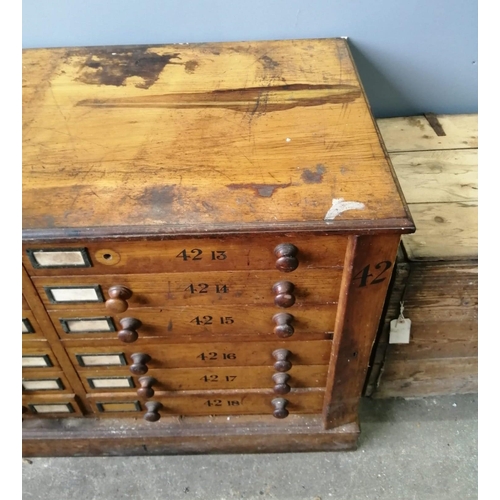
(435, 159)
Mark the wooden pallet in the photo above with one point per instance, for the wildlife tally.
(435, 159)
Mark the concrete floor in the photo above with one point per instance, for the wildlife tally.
(422, 449)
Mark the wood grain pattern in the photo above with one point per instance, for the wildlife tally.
(438, 176)
(210, 378)
(152, 144)
(311, 286)
(441, 299)
(414, 133)
(447, 231)
(189, 355)
(362, 297)
(428, 377)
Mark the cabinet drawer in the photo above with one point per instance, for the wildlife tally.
(182, 255)
(197, 323)
(39, 356)
(30, 328)
(308, 286)
(208, 378)
(207, 403)
(50, 406)
(46, 381)
(88, 356)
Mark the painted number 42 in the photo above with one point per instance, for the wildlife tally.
(365, 277)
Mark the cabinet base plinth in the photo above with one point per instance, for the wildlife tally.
(88, 437)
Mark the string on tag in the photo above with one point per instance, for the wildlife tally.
(401, 318)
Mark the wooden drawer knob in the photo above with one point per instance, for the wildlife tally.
(283, 328)
(281, 386)
(281, 356)
(286, 254)
(283, 296)
(128, 333)
(152, 413)
(139, 367)
(280, 410)
(118, 296)
(146, 389)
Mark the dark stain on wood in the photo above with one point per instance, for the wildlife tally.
(268, 63)
(316, 177)
(190, 66)
(109, 66)
(263, 190)
(434, 123)
(249, 100)
(159, 196)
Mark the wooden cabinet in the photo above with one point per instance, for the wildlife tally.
(208, 236)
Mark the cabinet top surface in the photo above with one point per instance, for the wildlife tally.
(197, 138)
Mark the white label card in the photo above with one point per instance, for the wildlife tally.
(109, 383)
(54, 258)
(34, 361)
(101, 360)
(75, 294)
(41, 385)
(400, 331)
(52, 408)
(88, 325)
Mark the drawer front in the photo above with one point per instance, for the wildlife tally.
(308, 286)
(197, 323)
(30, 328)
(208, 403)
(50, 406)
(209, 378)
(88, 356)
(182, 255)
(47, 381)
(38, 357)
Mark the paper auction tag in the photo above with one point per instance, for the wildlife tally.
(400, 329)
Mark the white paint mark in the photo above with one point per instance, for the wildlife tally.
(113, 53)
(288, 139)
(339, 206)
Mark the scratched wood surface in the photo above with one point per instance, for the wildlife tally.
(191, 137)
(441, 299)
(436, 161)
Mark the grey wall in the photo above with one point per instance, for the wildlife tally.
(414, 56)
